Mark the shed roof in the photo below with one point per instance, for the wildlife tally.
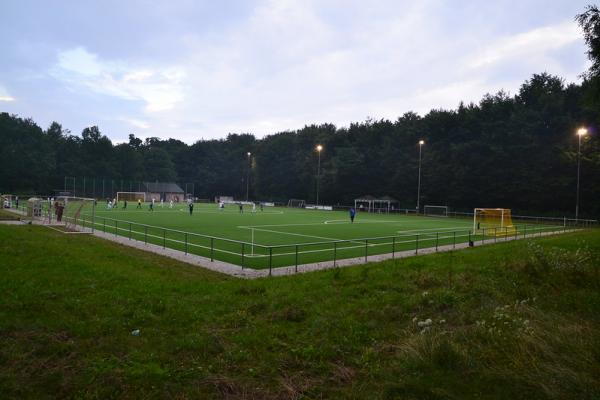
(162, 187)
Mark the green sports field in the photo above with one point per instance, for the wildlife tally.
(287, 236)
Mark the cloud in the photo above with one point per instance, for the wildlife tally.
(527, 45)
(4, 96)
(160, 89)
(136, 122)
(277, 65)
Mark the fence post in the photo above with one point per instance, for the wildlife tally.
(366, 249)
(506, 234)
(296, 268)
(334, 253)
(186, 243)
(243, 247)
(270, 260)
(483, 236)
(437, 238)
(145, 235)
(417, 244)
(212, 249)
(454, 239)
(393, 247)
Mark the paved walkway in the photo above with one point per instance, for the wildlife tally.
(11, 222)
(249, 273)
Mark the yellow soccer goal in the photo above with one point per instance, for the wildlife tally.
(493, 222)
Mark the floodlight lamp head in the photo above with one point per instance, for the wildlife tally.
(249, 154)
(421, 142)
(582, 131)
(319, 148)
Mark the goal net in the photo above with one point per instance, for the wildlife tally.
(131, 196)
(77, 214)
(296, 203)
(493, 221)
(435, 211)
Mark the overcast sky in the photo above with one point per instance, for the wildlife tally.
(202, 69)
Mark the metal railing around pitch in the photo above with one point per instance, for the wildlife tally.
(258, 256)
(212, 247)
(294, 255)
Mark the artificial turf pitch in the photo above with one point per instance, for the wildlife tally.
(285, 236)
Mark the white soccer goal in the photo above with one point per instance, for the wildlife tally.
(131, 196)
(64, 213)
(435, 211)
(296, 203)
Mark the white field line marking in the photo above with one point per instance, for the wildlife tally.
(329, 249)
(234, 212)
(343, 222)
(181, 209)
(415, 231)
(296, 234)
(314, 223)
(322, 237)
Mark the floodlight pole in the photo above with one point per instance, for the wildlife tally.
(319, 148)
(248, 176)
(421, 143)
(581, 132)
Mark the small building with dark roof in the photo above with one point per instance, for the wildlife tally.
(165, 191)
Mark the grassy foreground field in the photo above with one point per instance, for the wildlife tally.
(516, 320)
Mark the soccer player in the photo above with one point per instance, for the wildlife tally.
(261, 206)
(241, 208)
(161, 203)
(125, 205)
(59, 211)
(253, 207)
(151, 206)
(191, 206)
(171, 204)
(352, 214)
(139, 206)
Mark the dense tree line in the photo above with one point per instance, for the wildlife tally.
(516, 151)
